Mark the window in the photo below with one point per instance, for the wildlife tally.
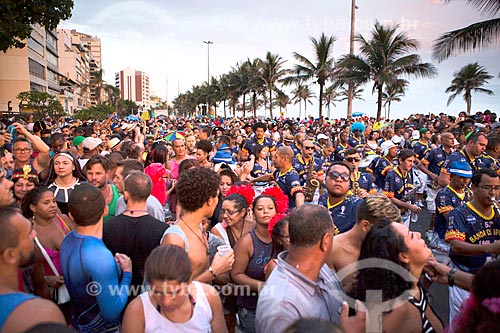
(51, 40)
(52, 59)
(36, 69)
(36, 87)
(36, 47)
(51, 76)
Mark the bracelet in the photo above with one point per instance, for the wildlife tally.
(212, 271)
(451, 277)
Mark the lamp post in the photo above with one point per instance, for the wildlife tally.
(208, 59)
(351, 52)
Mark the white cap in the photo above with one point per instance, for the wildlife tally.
(386, 145)
(91, 143)
(396, 139)
(415, 135)
(321, 136)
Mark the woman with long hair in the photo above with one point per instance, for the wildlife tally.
(257, 166)
(64, 174)
(394, 246)
(227, 179)
(173, 303)
(252, 252)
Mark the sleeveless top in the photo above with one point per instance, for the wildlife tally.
(62, 194)
(10, 302)
(258, 171)
(421, 305)
(199, 322)
(223, 233)
(112, 203)
(176, 230)
(54, 255)
(260, 257)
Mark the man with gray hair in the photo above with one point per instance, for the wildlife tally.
(302, 285)
(134, 232)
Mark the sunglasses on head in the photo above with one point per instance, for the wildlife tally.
(353, 159)
(333, 175)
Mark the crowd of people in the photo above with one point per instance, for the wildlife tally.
(248, 225)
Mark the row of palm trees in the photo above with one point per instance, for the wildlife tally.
(384, 58)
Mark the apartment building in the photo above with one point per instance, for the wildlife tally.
(134, 86)
(34, 67)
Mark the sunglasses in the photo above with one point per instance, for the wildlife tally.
(333, 175)
(309, 148)
(353, 159)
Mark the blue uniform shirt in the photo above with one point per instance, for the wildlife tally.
(302, 168)
(447, 200)
(466, 224)
(434, 159)
(289, 183)
(476, 164)
(398, 186)
(252, 143)
(338, 154)
(343, 213)
(420, 149)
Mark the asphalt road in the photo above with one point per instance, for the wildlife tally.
(438, 294)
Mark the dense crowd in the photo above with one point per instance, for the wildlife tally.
(251, 225)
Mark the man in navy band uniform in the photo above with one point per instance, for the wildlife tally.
(474, 231)
(399, 186)
(285, 176)
(452, 196)
(301, 163)
(364, 179)
(340, 204)
(338, 154)
(379, 167)
(475, 145)
(258, 139)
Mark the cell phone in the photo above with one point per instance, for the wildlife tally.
(12, 131)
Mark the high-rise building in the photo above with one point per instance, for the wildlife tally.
(134, 86)
(34, 67)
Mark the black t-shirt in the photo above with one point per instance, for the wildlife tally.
(135, 237)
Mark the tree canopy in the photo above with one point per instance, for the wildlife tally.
(19, 15)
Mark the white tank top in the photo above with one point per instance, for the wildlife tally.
(199, 322)
(222, 231)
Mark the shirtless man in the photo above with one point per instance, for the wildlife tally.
(345, 250)
(197, 192)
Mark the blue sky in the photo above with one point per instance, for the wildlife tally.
(165, 39)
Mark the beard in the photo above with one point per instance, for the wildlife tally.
(28, 260)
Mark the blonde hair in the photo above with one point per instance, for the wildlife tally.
(376, 208)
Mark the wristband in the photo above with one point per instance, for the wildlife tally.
(212, 271)
(451, 277)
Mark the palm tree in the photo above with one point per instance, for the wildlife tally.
(393, 93)
(272, 72)
(320, 69)
(330, 97)
(469, 78)
(256, 84)
(472, 38)
(96, 84)
(283, 100)
(303, 93)
(384, 58)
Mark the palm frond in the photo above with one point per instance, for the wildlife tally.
(485, 7)
(472, 38)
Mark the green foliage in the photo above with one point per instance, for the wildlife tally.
(99, 111)
(41, 103)
(18, 15)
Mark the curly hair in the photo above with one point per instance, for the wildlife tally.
(31, 198)
(195, 187)
(475, 314)
(381, 242)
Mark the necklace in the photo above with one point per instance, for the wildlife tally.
(202, 239)
(136, 211)
(241, 231)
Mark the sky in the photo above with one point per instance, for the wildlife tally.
(165, 39)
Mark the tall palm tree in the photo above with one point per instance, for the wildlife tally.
(393, 93)
(320, 68)
(471, 38)
(283, 100)
(256, 84)
(469, 78)
(384, 58)
(330, 97)
(272, 72)
(303, 93)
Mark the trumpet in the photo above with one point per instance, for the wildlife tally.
(495, 205)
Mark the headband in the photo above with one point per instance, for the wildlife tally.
(66, 155)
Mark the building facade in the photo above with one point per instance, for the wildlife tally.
(134, 86)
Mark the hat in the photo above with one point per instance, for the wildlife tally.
(288, 138)
(130, 127)
(91, 143)
(424, 130)
(77, 140)
(461, 169)
(415, 135)
(217, 128)
(386, 145)
(396, 139)
(247, 125)
(321, 136)
(223, 155)
(495, 125)
(113, 143)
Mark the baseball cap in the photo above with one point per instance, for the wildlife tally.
(424, 130)
(415, 135)
(77, 140)
(321, 136)
(461, 169)
(91, 143)
(114, 142)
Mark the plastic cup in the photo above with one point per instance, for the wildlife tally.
(223, 249)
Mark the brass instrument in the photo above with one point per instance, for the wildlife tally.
(495, 205)
(355, 183)
(311, 183)
(468, 191)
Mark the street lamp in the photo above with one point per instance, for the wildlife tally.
(208, 59)
(351, 52)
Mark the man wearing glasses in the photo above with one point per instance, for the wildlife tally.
(301, 163)
(364, 179)
(22, 148)
(340, 204)
(473, 232)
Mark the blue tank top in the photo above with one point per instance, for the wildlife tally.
(258, 171)
(255, 269)
(9, 303)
